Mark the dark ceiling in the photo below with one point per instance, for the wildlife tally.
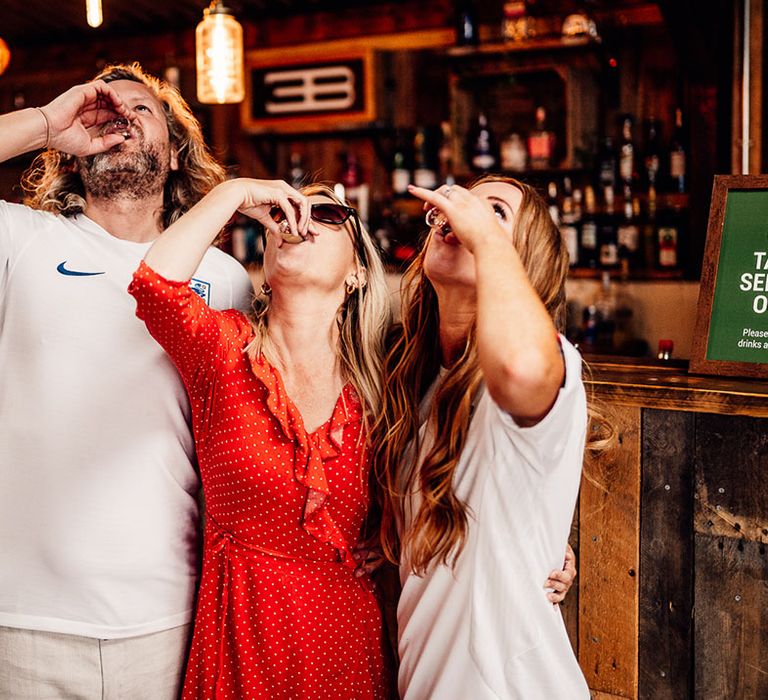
(34, 22)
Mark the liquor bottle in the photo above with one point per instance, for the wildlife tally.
(552, 206)
(608, 247)
(297, 175)
(514, 156)
(666, 347)
(606, 164)
(424, 159)
(466, 23)
(623, 336)
(569, 229)
(445, 154)
(668, 233)
(627, 155)
(588, 243)
(481, 146)
(401, 170)
(605, 304)
(677, 156)
(356, 190)
(541, 142)
(649, 232)
(514, 26)
(628, 234)
(652, 154)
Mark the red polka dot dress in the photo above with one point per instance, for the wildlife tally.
(280, 611)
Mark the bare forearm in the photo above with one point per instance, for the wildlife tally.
(21, 131)
(517, 343)
(180, 248)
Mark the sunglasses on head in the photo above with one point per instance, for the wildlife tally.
(330, 213)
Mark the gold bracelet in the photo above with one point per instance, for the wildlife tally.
(47, 126)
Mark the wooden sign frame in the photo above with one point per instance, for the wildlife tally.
(283, 59)
(700, 363)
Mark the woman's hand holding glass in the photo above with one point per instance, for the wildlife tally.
(455, 210)
(261, 197)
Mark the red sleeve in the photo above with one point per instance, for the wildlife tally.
(198, 338)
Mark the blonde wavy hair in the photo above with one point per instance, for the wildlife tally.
(362, 320)
(439, 528)
(53, 184)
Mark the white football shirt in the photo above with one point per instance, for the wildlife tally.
(98, 511)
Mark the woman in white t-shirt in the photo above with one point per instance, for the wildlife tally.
(481, 446)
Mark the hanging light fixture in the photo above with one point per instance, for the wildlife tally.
(5, 56)
(93, 13)
(219, 53)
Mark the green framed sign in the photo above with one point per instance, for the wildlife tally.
(731, 336)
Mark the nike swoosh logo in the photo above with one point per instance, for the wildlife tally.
(74, 273)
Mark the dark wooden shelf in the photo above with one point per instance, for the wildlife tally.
(639, 275)
(548, 44)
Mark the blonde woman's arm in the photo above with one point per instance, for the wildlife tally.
(178, 251)
(517, 342)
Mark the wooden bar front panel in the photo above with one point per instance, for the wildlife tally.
(609, 517)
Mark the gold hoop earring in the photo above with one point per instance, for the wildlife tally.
(351, 287)
(266, 289)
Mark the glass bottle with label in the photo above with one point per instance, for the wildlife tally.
(628, 234)
(401, 167)
(466, 23)
(481, 146)
(297, 174)
(356, 190)
(541, 142)
(424, 159)
(588, 243)
(445, 154)
(652, 153)
(552, 205)
(627, 154)
(605, 305)
(514, 156)
(677, 156)
(606, 164)
(649, 232)
(608, 247)
(668, 233)
(568, 228)
(514, 26)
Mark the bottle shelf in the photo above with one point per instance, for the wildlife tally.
(548, 44)
(638, 275)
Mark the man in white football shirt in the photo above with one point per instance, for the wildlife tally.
(98, 510)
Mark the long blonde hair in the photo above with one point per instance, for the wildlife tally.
(438, 530)
(362, 320)
(53, 184)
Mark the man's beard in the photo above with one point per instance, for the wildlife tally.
(129, 175)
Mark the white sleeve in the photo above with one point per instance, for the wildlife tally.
(543, 444)
(16, 228)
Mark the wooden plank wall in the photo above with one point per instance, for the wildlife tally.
(731, 526)
(666, 556)
(609, 512)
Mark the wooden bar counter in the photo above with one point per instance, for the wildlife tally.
(671, 530)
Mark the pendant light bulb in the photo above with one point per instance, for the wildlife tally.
(93, 13)
(219, 57)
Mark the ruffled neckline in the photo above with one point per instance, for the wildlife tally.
(312, 450)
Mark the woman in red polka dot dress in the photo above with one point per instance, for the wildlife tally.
(280, 409)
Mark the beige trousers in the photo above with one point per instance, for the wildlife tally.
(63, 666)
